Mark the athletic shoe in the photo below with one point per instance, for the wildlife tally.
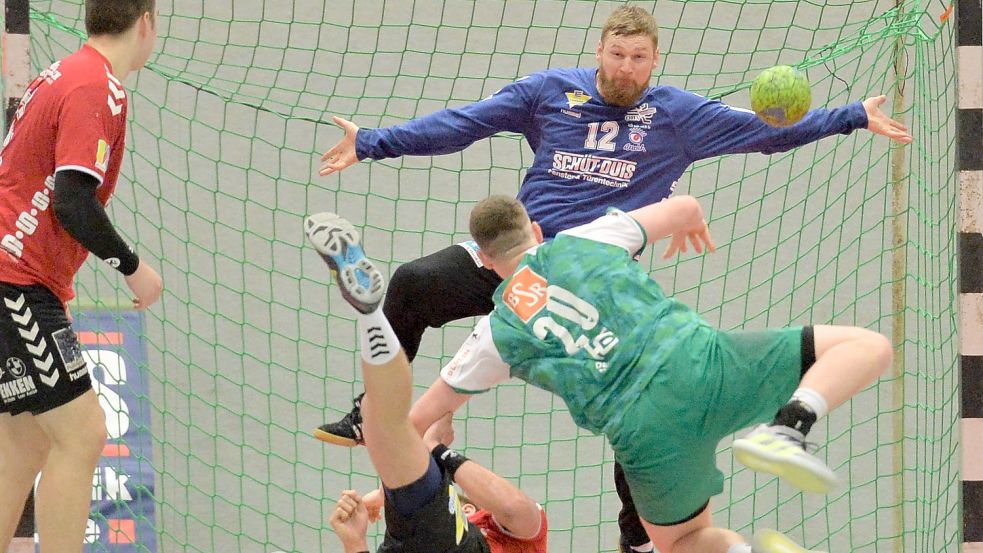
(781, 451)
(348, 431)
(336, 240)
(770, 541)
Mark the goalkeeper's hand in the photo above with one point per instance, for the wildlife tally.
(879, 123)
(343, 153)
(699, 236)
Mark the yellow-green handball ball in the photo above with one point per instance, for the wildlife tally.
(780, 95)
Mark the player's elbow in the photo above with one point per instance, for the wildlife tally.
(74, 198)
(62, 211)
(520, 515)
(63, 205)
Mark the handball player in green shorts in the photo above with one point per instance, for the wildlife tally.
(576, 316)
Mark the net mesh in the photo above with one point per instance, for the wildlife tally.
(249, 349)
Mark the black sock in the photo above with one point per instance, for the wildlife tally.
(796, 415)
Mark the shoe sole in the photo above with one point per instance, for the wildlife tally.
(337, 241)
(327, 437)
(759, 459)
(770, 541)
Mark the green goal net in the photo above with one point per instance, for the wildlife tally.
(250, 349)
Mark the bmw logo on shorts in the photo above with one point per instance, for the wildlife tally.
(16, 367)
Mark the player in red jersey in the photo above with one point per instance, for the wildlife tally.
(58, 169)
(434, 519)
(423, 511)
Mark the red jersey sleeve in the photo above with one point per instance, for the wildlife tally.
(501, 540)
(90, 121)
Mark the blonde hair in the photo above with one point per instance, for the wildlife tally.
(499, 224)
(631, 21)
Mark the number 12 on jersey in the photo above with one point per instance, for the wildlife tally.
(608, 141)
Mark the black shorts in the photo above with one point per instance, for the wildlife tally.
(433, 528)
(808, 350)
(41, 363)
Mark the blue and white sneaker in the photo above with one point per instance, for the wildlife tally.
(337, 241)
(781, 451)
(770, 541)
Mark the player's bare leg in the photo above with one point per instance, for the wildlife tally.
(700, 536)
(77, 431)
(697, 533)
(396, 449)
(23, 451)
(848, 359)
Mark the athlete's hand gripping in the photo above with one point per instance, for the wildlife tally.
(145, 284)
(374, 502)
(440, 432)
(350, 521)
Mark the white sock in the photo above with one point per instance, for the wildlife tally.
(740, 548)
(645, 548)
(813, 400)
(378, 340)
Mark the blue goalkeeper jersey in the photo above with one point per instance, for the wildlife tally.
(589, 155)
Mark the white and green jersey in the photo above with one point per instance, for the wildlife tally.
(578, 318)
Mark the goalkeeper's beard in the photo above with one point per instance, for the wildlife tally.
(620, 95)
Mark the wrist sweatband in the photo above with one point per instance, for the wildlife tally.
(448, 459)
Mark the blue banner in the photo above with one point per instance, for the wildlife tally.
(122, 516)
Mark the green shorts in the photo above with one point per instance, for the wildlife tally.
(711, 386)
